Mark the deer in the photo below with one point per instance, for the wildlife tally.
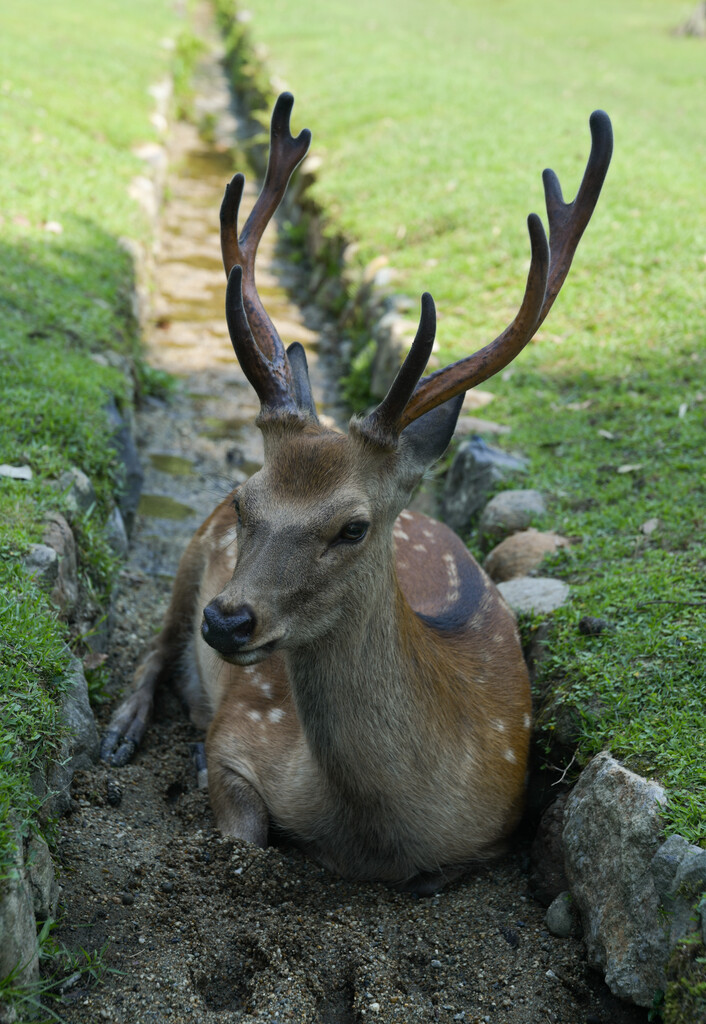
(360, 678)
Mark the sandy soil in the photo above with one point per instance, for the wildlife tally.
(196, 928)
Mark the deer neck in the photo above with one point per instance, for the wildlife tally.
(357, 691)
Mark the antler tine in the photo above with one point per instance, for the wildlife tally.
(286, 152)
(382, 424)
(271, 382)
(567, 223)
(460, 376)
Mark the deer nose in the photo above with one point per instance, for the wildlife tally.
(227, 632)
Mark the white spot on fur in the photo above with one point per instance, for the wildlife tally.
(254, 716)
(452, 596)
(429, 534)
(406, 515)
(498, 638)
(250, 669)
(452, 569)
(420, 547)
(527, 721)
(265, 688)
(400, 534)
(510, 756)
(495, 723)
(276, 714)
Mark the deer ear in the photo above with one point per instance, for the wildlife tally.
(426, 439)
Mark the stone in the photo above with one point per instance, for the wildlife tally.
(682, 899)
(58, 535)
(589, 625)
(42, 564)
(561, 917)
(508, 512)
(612, 831)
(116, 534)
(80, 744)
(538, 595)
(547, 876)
(476, 471)
(393, 334)
(41, 875)
(132, 474)
(18, 928)
(519, 554)
(471, 425)
(79, 495)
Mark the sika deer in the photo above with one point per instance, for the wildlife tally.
(361, 679)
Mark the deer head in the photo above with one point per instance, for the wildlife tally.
(315, 525)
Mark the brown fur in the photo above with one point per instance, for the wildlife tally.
(390, 746)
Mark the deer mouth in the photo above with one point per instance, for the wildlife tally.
(252, 655)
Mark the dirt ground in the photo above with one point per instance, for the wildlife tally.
(197, 928)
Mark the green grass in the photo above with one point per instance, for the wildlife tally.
(435, 124)
(74, 101)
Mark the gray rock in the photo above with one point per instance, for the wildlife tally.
(41, 875)
(509, 512)
(53, 564)
(476, 470)
(80, 744)
(561, 917)
(547, 875)
(612, 831)
(665, 863)
(42, 563)
(393, 334)
(116, 534)
(78, 720)
(58, 535)
(540, 595)
(133, 475)
(18, 928)
(78, 490)
(683, 899)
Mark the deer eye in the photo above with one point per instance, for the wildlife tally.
(353, 532)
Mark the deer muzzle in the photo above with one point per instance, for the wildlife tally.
(227, 631)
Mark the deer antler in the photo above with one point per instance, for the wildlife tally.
(407, 400)
(255, 339)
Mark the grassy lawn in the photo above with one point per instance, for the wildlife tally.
(74, 101)
(435, 124)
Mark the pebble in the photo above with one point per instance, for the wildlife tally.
(590, 626)
(113, 792)
(167, 887)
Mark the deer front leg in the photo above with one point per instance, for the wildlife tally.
(129, 723)
(240, 811)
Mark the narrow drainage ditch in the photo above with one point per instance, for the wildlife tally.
(194, 927)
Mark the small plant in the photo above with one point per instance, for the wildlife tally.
(39, 1001)
(187, 51)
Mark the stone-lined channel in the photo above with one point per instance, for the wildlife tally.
(197, 928)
